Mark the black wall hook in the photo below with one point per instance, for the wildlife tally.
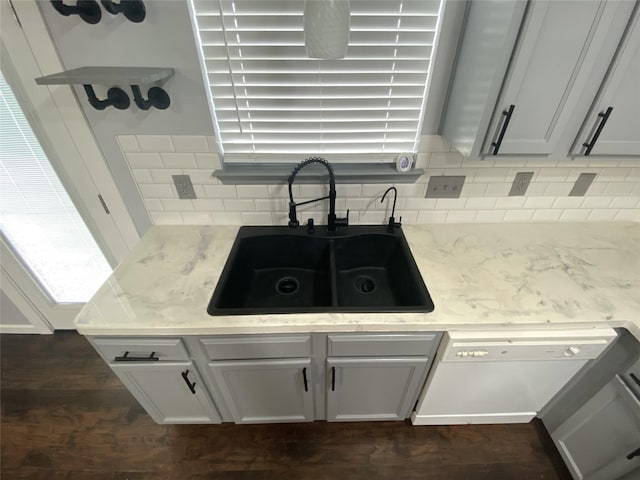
(134, 10)
(157, 97)
(116, 97)
(88, 10)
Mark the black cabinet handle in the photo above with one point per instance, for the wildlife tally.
(635, 379)
(333, 379)
(603, 120)
(507, 118)
(192, 386)
(127, 358)
(635, 453)
(304, 377)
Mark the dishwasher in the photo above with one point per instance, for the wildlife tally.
(503, 376)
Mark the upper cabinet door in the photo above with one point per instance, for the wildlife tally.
(618, 132)
(563, 49)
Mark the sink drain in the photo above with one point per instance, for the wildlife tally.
(365, 284)
(287, 286)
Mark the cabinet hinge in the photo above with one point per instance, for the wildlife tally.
(104, 205)
(15, 14)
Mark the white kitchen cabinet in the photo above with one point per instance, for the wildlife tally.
(373, 388)
(170, 392)
(266, 391)
(534, 104)
(596, 440)
(616, 132)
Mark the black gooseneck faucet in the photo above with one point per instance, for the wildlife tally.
(332, 221)
(392, 221)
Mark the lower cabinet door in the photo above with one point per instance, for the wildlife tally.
(601, 440)
(170, 392)
(266, 391)
(372, 388)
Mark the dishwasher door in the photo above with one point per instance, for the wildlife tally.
(498, 377)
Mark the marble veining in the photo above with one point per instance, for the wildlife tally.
(479, 276)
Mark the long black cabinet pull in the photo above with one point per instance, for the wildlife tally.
(635, 453)
(507, 118)
(333, 379)
(635, 379)
(603, 120)
(127, 358)
(192, 386)
(304, 377)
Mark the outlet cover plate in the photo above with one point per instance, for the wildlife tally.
(520, 184)
(582, 184)
(445, 186)
(184, 187)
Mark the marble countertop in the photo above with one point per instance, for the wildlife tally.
(480, 276)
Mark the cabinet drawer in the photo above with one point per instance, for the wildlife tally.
(255, 347)
(123, 350)
(382, 345)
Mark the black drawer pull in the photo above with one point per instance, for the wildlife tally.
(603, 120)
(635, 379)
(192, 386)
(507, 118)
(333, 379)
(304, 377)
(127, 358)
(635, 453)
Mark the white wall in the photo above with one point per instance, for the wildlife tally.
(614, 194)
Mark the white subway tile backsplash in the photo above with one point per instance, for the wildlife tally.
(208, 205)
(176, 205)
(178, 160)
(518, 215)
(166, 218)
(256, 218)
(602, 215)
(164, 175)
(141, 175)
(196, 218)
(619, 188)
(219, 191)
(596, 202)
(208, 160)
(252, 191)
(157, 191)
(435, 216)
(144, 160)
(539, 202)
(237, 205)
(190, 143)
(155, 143)
(461, 216)
(546, 215)
(490, 216)
(574, 215)
(128, 143)
(225, 218)
(153, 159)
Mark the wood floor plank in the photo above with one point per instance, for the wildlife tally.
(66, 416)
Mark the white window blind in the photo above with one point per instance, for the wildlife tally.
(38, 218)
(272, 103)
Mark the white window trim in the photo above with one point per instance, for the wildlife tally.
(63, 130)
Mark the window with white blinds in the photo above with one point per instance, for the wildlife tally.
(38, 218)
(272, 103)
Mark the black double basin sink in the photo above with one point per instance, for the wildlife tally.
(361, 268)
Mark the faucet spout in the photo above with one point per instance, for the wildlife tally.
(331, 220)
(392, 220)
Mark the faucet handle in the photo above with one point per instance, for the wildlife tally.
(343, 222)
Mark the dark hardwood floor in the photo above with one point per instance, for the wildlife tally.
(66, 416)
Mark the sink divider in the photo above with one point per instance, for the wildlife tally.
(333, 273)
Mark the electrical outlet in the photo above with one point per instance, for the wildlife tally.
(582, 184)
(520, 184)
(445, 186)
(184, 186)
